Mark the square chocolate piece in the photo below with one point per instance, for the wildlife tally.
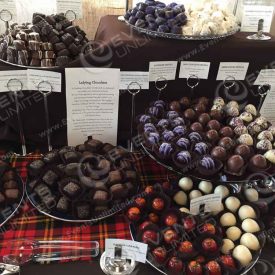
(50, 177)
(83, 211)
(100, 195)
(72, 189)
(63, 205)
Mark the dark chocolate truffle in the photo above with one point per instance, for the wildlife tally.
(219, 153)
(212, 136)
(83, 210)
(72, 189)
(227, 132)
(50, 177)
(227, 143)
(214, 125)
(175, 106)
(204, 118)
(200, 108)
(258, 162)
(196, 127)
(185, 102)
(190, 114)
(100, 195)
(243, 150)
(216, 114)
(235, 164)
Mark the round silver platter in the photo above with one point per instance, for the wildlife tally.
(16, 206)
(156, 34)
(247, 269)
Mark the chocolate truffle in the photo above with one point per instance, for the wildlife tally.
(185, 102)
(190, 114)
(204, 118)
(184, 157)
(265, 135)
(243, 150)
(235, 164)
(227, 143)
(172, 115)
(219, 153)
(233, 103)
(163, 123)
(253, 128)
(226, 132)
(208, 163)
(264, 145)
(83, 210)
(149, 128)
(12, 194)
(159, 104)
(246, 139)
(50, 177)
(203, 100)
(240, 130)
(175, 106)
(212, 136)
(214, 125)
(119, 191)
(153, 138)
(219, 101)
(270, 156)
(168, 135)
(251, 109)
(195, 137)
(100, 195)
(63, 205)
(201, 148)
(272, 130)
(179, 131)
(232, 111)
(246, 117)
(35, 167)
(257, 162)
(166, 150)
(72, 189)
(216, 114)
(200, 108)
(262, 122)
(115, 177)
(179, 121)
(196, 127)
(155, 111)
(236, 121)
(183, 143)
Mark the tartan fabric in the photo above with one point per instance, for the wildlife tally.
(29, 224)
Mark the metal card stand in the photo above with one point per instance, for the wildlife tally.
(159, 87)
(196, 81)
(133, 91)
(263, 90)
(70, 15)
(6, 17)
(45, 88)
(229, 83)
(260, 34)
(15, 86)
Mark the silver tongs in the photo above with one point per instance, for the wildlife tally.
(26, 251)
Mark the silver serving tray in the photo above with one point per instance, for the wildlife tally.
(156, 34)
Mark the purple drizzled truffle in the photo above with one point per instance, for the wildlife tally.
(172, 115)
(177, 122)
(159, 104)
(201, 148)
(168, 135)
(180, 131)
(149, 127)
(183, 143)
(155, 111)
(163, 123)
(195, 137)
(208, 163)
(145, 119)
(153, 138)
(184, 157)
(166, 149)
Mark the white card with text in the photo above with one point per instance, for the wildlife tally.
(238, 70)
(209, 203)
(142, 78)
(6, 76)
(200, 69)
(163, 69)
(70, 5)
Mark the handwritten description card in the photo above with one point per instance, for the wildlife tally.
(92, 104)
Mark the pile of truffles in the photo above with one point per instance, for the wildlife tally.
(157, 16)
(82, 182)
(209, 137)
(10, 187)
(49, 41)
(223, 241)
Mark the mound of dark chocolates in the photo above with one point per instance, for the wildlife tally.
(83, 182)
(157, 16)
(10, 187)
(209, 137)
(49, 41)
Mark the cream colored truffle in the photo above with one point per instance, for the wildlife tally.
(206, 187)
(219, 210)
(243, 255)
(180, 198)
(246, 212)
(233, 233)
(227, 246)
(251, 195)
(250, 226)
(250, 241)
(228, 219)
(186, 184)
(222, 190)
(232, 204)
(195, 194)
(251, 109)
(185, 210)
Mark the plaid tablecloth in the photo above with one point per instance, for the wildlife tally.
(30, 224)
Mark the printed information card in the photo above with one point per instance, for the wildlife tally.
(128, 248)
(142, 78)
(251, 16)
(73, 5)
(238, 70)
(92, 104)
(200, 69)
(165, 69)
(6, 76)
(209, 203)
(10, 6)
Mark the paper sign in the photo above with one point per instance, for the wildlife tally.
(129, 249)
(238, 70)
(165, 69)
(251, 16)
(67, 5)
(200, 69)
(266, 76)
(267, 109)
(142, 78)
(5, 76)
(209, 203)
(92, 96)
(37, 76)
(10, 6)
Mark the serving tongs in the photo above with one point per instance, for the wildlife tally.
(21, 252)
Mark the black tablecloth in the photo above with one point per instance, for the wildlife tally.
(120, 47)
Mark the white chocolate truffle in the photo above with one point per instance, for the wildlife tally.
(270, 156)
(233, 233)
(272, 130)
(233, 103)
(240, 130)
(246, 139)
(265, 135)
(264, 144)
(228, 219)
(195, 194)
(232, 204)
(185, 210)
(186, 184)
(219, 101)
(219, 210)
(227, 246)
(251, 195)
(243, 255)
(180, 198)
(247, 117)
(222, 190)
(246, 212)
(250, 226)
(250, 241)
(206, 187)
(251, 109)
(262, 122)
